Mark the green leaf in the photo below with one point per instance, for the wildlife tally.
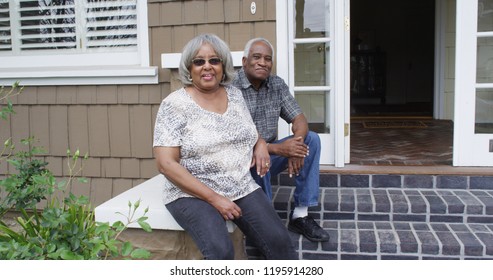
(145, 226)
(140, 254)
(102, 228)
(126, 248)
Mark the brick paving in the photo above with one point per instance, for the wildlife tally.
(397, 216)
(427, 146)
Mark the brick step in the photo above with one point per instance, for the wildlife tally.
(396, 223)
(414, 178)
(390, 204)
(368, 240)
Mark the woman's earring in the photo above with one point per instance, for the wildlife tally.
(224, 78)
(189, 78)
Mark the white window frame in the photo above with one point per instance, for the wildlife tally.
(40, 68)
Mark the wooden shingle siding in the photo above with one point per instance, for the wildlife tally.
(114, 123)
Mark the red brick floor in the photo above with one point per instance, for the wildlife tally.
(427, 146)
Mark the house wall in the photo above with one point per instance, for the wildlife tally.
(114, 123)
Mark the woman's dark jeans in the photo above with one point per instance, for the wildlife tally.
(259, 222)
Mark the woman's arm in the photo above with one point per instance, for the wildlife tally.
(261, 157)
(168, 164)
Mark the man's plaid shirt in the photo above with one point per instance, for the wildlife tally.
(271, 101)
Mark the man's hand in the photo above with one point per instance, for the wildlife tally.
(295, 150)
(293, 147)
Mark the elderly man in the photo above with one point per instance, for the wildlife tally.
(268, 98)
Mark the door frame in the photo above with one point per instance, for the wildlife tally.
(470, 149)
(335, 145)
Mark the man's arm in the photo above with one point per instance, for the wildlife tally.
(300, 126)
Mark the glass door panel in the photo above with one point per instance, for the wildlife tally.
(313, 105)
(310, 64)
(312, 18)
(484, 69)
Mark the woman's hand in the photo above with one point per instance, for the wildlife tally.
(227, 208)
(261, 157)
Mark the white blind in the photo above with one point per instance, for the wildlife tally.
(111, 23)
(5, 37)
(69, 26)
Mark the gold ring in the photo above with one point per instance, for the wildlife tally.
(267, 164)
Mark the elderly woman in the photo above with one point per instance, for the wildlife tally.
(203, 144)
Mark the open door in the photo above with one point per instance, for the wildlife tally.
(313, 58)
(473, 120)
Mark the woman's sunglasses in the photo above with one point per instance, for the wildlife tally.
(201, 61)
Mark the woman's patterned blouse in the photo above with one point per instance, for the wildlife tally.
(215, 148)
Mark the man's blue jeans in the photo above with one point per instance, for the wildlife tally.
(307, 182)
(259, 222)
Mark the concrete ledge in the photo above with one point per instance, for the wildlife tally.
(150, 193)
(167, 240)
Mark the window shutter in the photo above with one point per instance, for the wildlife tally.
(111, 24)
(47, 25)
(5, 28)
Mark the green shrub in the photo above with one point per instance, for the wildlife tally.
(64, 229)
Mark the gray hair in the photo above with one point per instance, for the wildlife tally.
(249, 44)
(192, 48)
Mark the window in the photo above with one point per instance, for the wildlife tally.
(74, 42)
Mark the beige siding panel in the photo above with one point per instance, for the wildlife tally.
(171, 13)
(58, 130)
(153, 14)
(20, 127)
(148, 168)
(150, 94)
(107, 94)
(181, 36)
(217, 29)
(92, 167)
(154, 114)
(194, 12)
(29, 95)
(267, 30)
(101, 190)
(239, 34)
(99, 137)
(87, 95)
(4, 169)
(78, 129)
(141, 131)
(130, 168)
(121, 185)
(5, 132)
(119, 131)
(138, 182)
(165, 91)
(160, 43)
(81, 189)
(270, 10)
(215, 11)
(55, 165)
(246, 12)
(47, 95)
(110, 168)
(128, 94)
(232, 10)
(39, 124)
(66, 95)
